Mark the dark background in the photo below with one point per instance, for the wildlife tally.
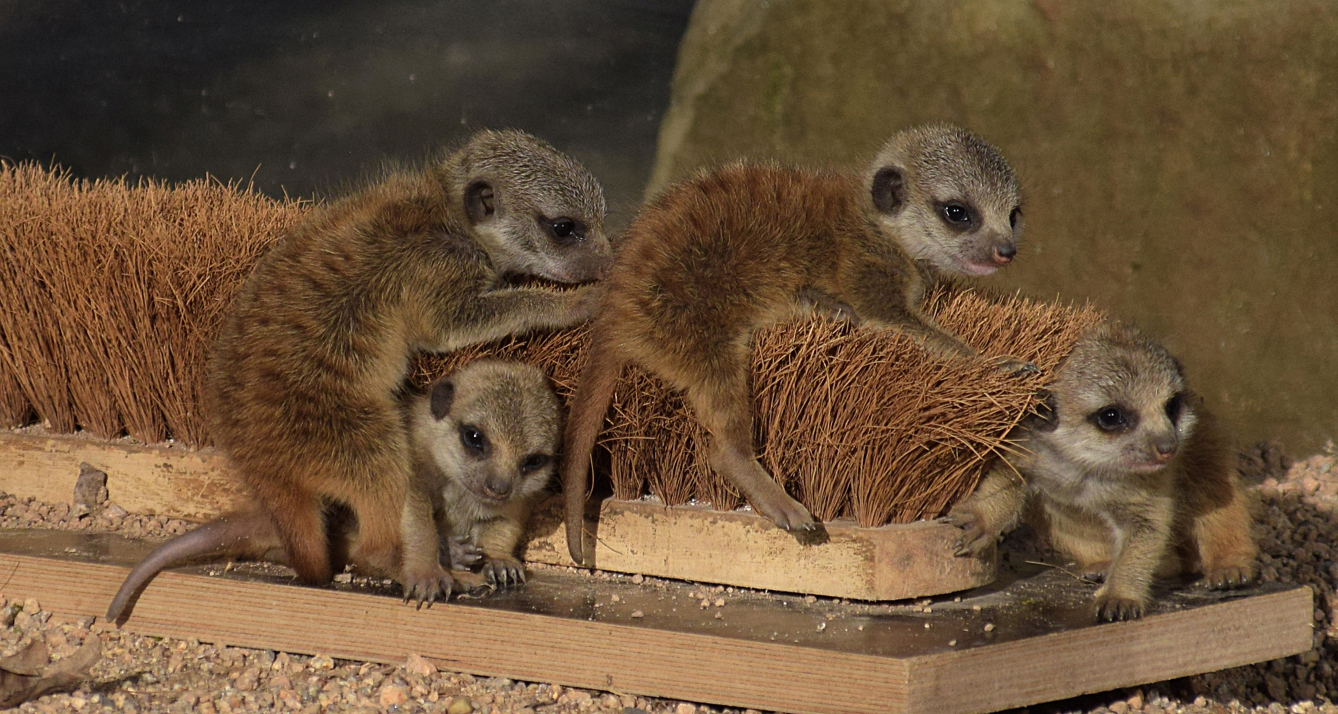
(302, 97)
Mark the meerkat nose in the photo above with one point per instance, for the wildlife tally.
(497, 487)
(1004, 252)
(1165, 448)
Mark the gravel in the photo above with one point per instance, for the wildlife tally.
(1297, 527)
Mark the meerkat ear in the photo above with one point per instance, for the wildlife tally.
(1046, 416)
(443, 393)
(480, 201)
(889, 190)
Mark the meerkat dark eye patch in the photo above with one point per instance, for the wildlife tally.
(888, 190)
(957, 215)
(1112, 418)
(480, 202)
(1014, 217)
(534, 462)
(443, 393)
(473, 439)
(1174, 406)
(563, 229)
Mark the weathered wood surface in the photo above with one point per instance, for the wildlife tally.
(195, 485)
(738, 548)
(766, 652)
(744, 549)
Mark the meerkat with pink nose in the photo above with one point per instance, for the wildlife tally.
(1123, 471)
(485, 446)
(718, 256)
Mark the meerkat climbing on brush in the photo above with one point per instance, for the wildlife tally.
(1123, 471)
(718, 256)
(303, 385)
(484, 446)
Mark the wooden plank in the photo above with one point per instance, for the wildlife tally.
(1099, 659)
(744, 549)
(683, 542)
(767, 652)
(621, 658)
(194, 485)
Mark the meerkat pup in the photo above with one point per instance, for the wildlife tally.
(484, 445)
(302, 388)
(716, 257)
(1123, 471)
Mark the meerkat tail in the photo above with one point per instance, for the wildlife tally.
(591, 402)
(241, 535)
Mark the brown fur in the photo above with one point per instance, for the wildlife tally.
(1157, 498)
(303, 387)
(716, 257)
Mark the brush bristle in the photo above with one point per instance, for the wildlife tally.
(113, 293)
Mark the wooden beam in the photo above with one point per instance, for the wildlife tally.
(747, 550)
(765, 653)
(176, 482)
(683, 542)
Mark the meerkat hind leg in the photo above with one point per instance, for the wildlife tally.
(722, 405)
(1226, 550)
(300, 521)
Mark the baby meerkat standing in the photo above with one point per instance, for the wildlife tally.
(484, 447)
(718, 256)
(302, 388)
(1123, 471)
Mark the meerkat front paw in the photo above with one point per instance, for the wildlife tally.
(1114, 608)
(1016, 367)
(974, 540)
(1228, 577)
(504, 573)
(427, 587)
(463, 553)
(1094, 572)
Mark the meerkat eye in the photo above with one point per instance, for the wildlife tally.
(473, 439)
(1110, 418)
(1173, 406)
(563, 230)
(534, 462)
(1014, 217)
(956, 214)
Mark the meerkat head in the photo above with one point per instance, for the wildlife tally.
(494, 428)
(948, 197)
(1118, 404)
(536, 211)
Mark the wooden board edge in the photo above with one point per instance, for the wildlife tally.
(686, 542)
(1171, 645)
(486, 642)
(180, 483)
(872, 564)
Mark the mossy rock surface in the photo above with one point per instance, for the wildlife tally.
(1179, 159)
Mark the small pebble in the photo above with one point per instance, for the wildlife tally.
(460, 705)
(415, 664)
(638, 614)
(989, 627)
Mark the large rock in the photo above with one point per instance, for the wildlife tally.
(1179, 159)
